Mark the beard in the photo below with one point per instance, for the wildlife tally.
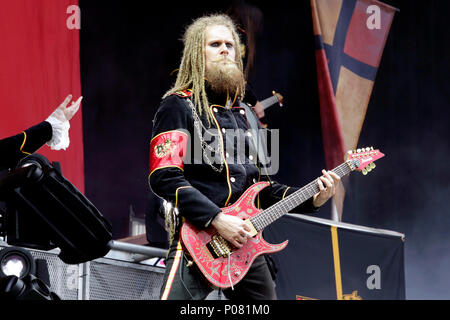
(224, 76)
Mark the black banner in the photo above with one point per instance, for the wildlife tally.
(328, 260)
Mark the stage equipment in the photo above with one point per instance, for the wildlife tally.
(18, 277)
(44, 211)
(16, 261)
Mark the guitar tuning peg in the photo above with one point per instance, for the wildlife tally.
(369, 169)
(358, 150)
(371, 148)
(349, 151)
(364, 172)
(373, 165)
(367, 149)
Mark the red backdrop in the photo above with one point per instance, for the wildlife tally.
(39, 67)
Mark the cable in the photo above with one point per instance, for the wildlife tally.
(181, 276)
(229, 267)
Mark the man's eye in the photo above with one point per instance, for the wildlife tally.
(229, 45)
(214, 44)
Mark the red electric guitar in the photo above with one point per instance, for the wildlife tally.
(223, 264)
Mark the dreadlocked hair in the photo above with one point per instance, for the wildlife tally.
(191, 73)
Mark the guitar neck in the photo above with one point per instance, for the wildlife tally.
(295, 199)
(269, 101)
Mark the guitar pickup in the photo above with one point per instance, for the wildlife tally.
(219, 247)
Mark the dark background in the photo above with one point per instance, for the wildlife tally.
(129, 49)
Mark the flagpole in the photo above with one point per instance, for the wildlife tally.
(334, 212)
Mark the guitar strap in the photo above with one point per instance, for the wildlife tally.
(258, 137)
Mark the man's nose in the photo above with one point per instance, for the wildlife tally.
(224, 49)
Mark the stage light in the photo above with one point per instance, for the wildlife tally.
(16, 261)
(18, 279)
(14, 265)
(44, 210)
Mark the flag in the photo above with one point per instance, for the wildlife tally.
(333, 260)
(350, 36)
(39, 67)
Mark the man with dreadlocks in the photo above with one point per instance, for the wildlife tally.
(204, 102)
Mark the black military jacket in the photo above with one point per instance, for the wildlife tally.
(178, 173)
(13, 149)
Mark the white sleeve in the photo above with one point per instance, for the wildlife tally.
(60, 131)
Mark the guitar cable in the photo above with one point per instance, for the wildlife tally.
(190, 262)
(183, 257)
(229, 267)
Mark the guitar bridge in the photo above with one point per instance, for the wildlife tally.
(219, 247)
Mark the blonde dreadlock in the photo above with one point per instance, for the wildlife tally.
(191, 74)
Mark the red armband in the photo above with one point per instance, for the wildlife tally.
(168, 149)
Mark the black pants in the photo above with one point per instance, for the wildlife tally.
(184, 281)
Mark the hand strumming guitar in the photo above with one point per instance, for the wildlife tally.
(232, 228)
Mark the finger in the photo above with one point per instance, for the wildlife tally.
(76, 103)
(237, 243)
(326, 182)
(332, 179)
(320, 183)
(65, 102)
(327, 175)
(70, 111)
(242, 239)
(245, 234)
(246, 227)
(335, 177)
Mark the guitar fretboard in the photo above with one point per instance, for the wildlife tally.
(295, 199)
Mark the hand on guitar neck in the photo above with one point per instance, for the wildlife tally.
(260, 106)
(259, 110)
(327, 186)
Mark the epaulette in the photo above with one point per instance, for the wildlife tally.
(183, 93)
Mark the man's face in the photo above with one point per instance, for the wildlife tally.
(219, 44)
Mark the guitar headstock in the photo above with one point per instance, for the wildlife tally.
(279, 97)
(363, 159)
